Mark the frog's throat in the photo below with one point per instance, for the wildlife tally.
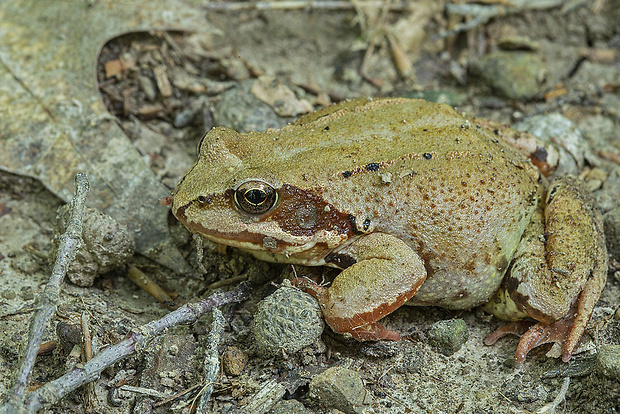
(309, 254)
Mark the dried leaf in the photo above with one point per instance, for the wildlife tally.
(280, 97)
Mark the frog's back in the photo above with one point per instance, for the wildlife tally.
(350, 136)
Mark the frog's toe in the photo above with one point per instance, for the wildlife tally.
(567, 331)
(535, 334)
(515, 328)
(373, 331)
(558, 332)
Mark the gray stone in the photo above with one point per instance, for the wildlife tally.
(515, 75)
(238, 109)
(165, 370)
(608, 361)
(611, 222)
(289, 407)
(560, 130)
(448, 336)
(340, 388)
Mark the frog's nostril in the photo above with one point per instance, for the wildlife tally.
(202, 200)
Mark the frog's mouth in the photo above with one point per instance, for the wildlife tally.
(308, 252)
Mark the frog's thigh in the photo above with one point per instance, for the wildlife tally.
(386, 273)
(561, 255)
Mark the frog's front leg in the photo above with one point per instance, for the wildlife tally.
(384, 273)
(558, 271)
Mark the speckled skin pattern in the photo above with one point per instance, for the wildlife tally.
(410, 198)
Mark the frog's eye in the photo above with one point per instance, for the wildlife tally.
(255, 197)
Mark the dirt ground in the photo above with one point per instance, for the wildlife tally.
(166, 88)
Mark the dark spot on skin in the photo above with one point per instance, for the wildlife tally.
(366, 224)
(427, 155)
(425, 130)
(551, 194)
(471, 266)
(496, 132)
(373, 166)
(502, 265)
(346, 174)
(511, 284)
(326, 128)
(353, 223)
(203, 200)
(341, 260)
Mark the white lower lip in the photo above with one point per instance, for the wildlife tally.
(301, 254)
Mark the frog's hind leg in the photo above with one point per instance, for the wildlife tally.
(559, 269)
(385, 273)
(567, 330)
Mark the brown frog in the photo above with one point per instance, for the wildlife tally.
(415, 203)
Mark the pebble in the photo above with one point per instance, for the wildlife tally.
(287, 320)
(340, 388)
(448, 336)
(514, 74)
(234, 360)
(608, 361)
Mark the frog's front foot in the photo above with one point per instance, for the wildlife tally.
(357, 327)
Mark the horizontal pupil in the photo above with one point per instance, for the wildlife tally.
(255, 196)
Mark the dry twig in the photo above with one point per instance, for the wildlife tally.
(482, 13)
(300, 4)
(151, 287)
(212, 359)
(559, 399)
(53, 391)
(90, 398)
(46, 302)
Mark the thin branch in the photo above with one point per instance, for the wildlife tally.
(90, 398)
(559, 399)
(299, 4)
(46, 302)
(135, 341)
(212, 359)
(482, 13)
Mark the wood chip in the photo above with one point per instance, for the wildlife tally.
(163, 83)
(115, 67)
